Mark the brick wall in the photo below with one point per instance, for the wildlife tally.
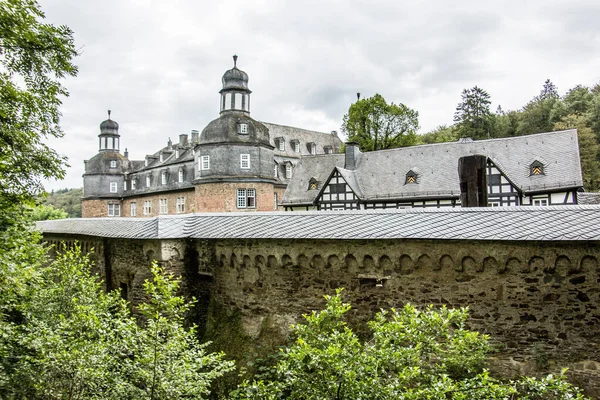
(96, 208)
(218, 197)
(155, 198)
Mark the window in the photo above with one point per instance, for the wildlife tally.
(147, 207)
(288, 171)
(176, 153)
(180, 176)
(205, 163)
(312, 148)
(276, 170)
(113, 163)
(328, 149)
(163, 177)
(281, 144)
(161, 157)
(494, 204)
(246, 198)
(411, 177)
(114, 210)
(245, 161)
(181, 205)
(244, 129)
(275, 201)
(133, 184)
(146, 162)
(313, 184)
(113, 187)
(133, 209)
(296, 146)
(148, 181)
(540, 202)
(536, 168)
(164, 208)
(124, 185)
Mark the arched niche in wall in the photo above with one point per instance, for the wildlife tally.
(446, 263)
(333, 261)
(490, 264)
(385, 263)
(368, 263)
(405, 265)
(351, 262)
(317, 262)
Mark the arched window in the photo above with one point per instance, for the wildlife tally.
(536, 168)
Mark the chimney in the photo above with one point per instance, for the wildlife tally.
(126, 153)
(334, 133)
(169, 144)
(194, 136)
(183, 140)
(473, 181)
(352, 153)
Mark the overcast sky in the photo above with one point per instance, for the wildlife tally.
(158, 64)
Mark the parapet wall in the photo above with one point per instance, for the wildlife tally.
(537, 300)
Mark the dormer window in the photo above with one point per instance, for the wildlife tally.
(296, 146)
(133, 183)
(113, 163)
(243, 128)
(161, 157)
(180, 176)
(312, 148)
(411, 177)
(176, 153)
(536, 168)
(328, 149)
(146, 162)
(163, 177)
(313, 184)
(281, 144)
(276, 170)
(288, 171)
(148, 181)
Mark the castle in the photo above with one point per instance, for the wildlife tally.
(235, 164)
(240, 164)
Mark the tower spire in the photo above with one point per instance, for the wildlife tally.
(108, 114)
(235, 61)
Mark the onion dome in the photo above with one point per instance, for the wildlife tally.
(109, 126)
(235, 78)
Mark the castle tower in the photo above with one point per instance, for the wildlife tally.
(235, 95)
(103, 179)
(234, 157)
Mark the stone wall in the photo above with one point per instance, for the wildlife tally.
(537, 300)
(95, 208)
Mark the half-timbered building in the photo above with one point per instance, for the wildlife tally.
(540, 170)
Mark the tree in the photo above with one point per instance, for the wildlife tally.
(35, 57)
(473, 117)
(410, 354)
(376, 125)
(440, 134)
(549, 91)
(63, 337)
(43, 212)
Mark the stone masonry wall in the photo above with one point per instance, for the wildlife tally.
(537, 300)
(95, 208)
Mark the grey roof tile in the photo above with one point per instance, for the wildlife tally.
(506, 223)
(381, 174)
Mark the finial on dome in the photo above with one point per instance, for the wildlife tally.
(235, 61)
(358, 96)
(108, 114)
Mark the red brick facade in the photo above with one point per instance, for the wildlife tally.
(212, 197)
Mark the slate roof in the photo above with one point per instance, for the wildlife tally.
(304, 136)
(588, 198)
(381, 174)
(553, 223)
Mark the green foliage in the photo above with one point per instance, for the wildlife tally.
(376, 125)
(410, 354)
(43, 212)
(68, 200)
(35, 57)
(440, 134)
(63, 337)
(472, 117)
